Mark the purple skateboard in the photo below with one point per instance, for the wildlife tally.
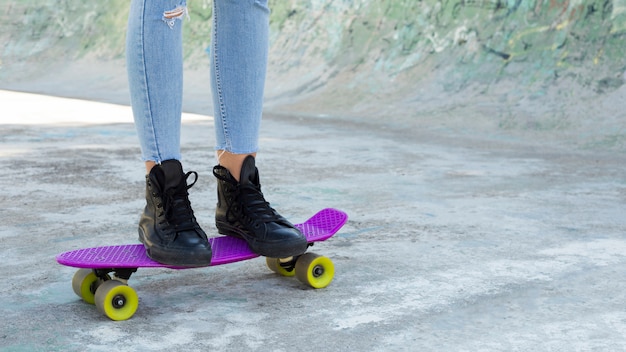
(118, 301)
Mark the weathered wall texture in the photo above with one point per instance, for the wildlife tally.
(546, 69)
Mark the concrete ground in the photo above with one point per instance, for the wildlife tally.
(452, 244)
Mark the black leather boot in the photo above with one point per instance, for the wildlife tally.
(168, 228)
(243, 212)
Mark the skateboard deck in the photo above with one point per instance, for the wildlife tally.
(319, 227)
(116, 300)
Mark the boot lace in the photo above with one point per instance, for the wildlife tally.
(255, 207)
(249, 198)
(177, 207)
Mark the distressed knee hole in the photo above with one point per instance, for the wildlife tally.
(170, 17)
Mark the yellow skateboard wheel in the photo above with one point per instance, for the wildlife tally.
(274, 265)
(315, 270)
(84, 284)
(116, 300)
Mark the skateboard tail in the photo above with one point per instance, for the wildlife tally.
(323, 225)
(121, 256)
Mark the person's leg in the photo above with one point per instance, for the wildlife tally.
(167, 226)
(238, 62)
(238, 66)
(155, 76)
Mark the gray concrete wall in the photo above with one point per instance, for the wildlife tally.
(539, 71)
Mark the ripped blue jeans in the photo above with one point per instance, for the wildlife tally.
(154, 55)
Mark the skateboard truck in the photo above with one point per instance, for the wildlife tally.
(289, 264)
(120, 274)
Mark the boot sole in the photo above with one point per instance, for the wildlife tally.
(179, 258)
(169, 257)
(278, 249)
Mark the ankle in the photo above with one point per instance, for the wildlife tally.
(232, 162)
(149, 165)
